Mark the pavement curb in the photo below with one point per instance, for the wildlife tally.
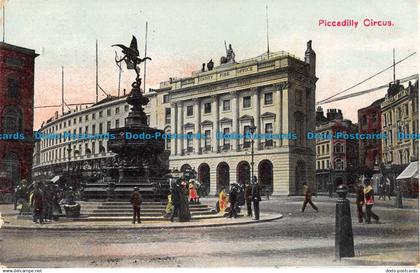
(360, 261)
(137, 227)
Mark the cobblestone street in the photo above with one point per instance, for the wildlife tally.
(299, 239)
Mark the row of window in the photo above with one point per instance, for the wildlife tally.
(401, 128)
(76, 151)
(87, 118)
(400, 113)
(325, 149)
(373, 119)
(325, 164)
(322, 149)
(246, 103)
(48, 142)
(403, 156)
(268, 129)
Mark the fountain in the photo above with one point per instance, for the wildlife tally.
(140, 160)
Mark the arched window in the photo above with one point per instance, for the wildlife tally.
(338, 148)
(11, 166)
(12, 120)
(13, 88)
(168, 139)
(339, 164)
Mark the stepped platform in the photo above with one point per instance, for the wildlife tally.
(122, 211)
(155, 189)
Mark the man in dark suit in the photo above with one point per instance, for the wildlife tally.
(176, 201)
(248, 199)
(233, 198)
(308, 197)
(136, 201)
(360, 202)
(256, 197)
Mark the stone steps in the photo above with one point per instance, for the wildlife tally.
(143, 219)
(150, 211)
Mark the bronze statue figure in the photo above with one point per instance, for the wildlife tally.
(131, 56)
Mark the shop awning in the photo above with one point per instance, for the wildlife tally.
(412, 171)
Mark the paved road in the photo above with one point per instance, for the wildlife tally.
(297, 239)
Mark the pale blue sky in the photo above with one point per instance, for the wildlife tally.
(184, 34)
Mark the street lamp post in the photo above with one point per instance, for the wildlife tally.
(252, 129)
(330, 183)
(69, 155)
(398, 195)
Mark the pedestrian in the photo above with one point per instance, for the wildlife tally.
(369, 201)
(388, 188)
(15, 197)
(267, 193)
(248, 199)
(223, 200)
(176, 201)
(330, 189)
(184, 214)
(37, 204)
(256, 197)
(169, 206)
(308, 197)
(193, 196)
(136, 201)
(48, 203)
(360, 201)
(233, 198)
(381, 189)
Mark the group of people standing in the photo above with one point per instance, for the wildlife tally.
(182, 193)
(251, 194)
(44, 201)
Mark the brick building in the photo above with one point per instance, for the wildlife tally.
(336, 158)
(16, 112)
(370, 123)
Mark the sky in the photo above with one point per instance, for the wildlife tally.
(183, 34)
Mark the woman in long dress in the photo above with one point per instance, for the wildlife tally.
(223, 201)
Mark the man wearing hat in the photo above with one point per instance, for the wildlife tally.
(136, 201)
(256, 197)
(248, 199)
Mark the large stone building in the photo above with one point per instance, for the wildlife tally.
(400, 113)
(370, 151)
(16, 112)
(274, 92)
(336, 157)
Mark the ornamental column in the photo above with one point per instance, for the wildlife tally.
(197, 126)
(285, 111)
(215, 142)
(257, 120)
(235, 119)
(173, 129)
(279, 108)
(180, 128)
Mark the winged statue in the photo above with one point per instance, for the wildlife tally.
(131, 56)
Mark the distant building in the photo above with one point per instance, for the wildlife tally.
(370, 150)
(336, 158)
(16, 111)
(400, 119)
